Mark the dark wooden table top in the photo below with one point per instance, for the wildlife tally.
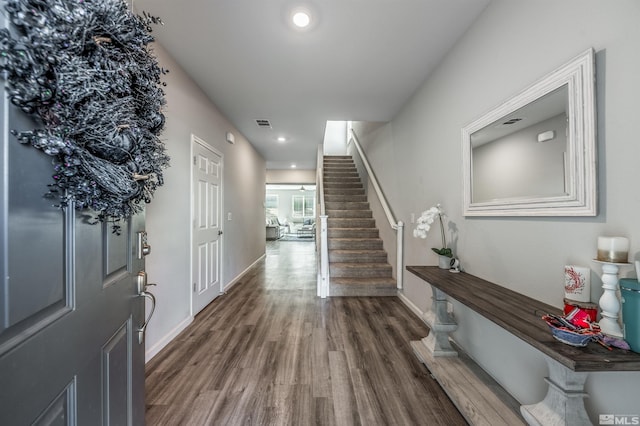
(521, 316)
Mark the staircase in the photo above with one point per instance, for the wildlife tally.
(357, 262)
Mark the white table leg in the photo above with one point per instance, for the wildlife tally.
(440, 323)
(564, 403)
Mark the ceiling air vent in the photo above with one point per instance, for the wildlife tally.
(264, 124)
(512, 121)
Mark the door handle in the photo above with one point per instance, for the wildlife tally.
(141, 281)
(143, 327)
(220, 232)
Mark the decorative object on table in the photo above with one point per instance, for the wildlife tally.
(565, 331)
(425, 221)
(615, 342)
(613, 253)
(613, 249)
(586, 309)
(84, 71)
(454, 265)
(630, 292)
(577, 283)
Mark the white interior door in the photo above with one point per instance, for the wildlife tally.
(207, 224)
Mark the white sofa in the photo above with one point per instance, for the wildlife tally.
(276, 228)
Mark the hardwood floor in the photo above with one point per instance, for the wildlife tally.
(271, 353)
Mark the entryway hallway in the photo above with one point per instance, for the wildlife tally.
(271, 353)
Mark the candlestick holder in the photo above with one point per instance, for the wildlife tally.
(609, 301)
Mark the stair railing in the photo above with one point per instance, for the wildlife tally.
(398, 226)
(322, 245)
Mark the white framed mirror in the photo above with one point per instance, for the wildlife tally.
(535, 154)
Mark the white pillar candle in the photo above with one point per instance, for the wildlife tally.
(613, 249)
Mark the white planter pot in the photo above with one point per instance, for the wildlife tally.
(444, 262)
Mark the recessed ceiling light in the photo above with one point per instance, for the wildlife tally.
(301, 19)
(293, 166)
(281, 139)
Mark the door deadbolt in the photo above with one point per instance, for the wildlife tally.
(143, 247)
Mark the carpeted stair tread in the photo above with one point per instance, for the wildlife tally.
(369, 287)
(357, 256)
(350, 213)
(355, 243)
(341, 172)
(357, 239)
(346, 205)
(358, 265)
(349, 178)
(360, 270)
(339, 185)
(364, 281)
(351, 222)
(344, 191)
(353, 233)
(357, 252)
(341, 198)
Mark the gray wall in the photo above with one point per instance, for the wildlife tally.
(188, 111)
(378, 137)
(298, 176)
(511, 45)
(517, 165)
(335, 138)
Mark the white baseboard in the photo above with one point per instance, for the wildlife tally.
(412, 307)
(153, 351)
(241, 274)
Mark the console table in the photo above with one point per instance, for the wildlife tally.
(521, 316)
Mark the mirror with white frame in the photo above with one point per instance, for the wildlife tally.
(535, 154)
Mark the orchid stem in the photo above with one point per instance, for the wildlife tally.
(444, 240)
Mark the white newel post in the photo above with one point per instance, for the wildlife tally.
(323, 277)
(399, 254)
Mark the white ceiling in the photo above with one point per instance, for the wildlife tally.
(362, 60)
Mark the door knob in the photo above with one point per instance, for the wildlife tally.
(220, 232)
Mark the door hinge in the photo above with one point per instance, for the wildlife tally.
(194, 160)
(194, 287)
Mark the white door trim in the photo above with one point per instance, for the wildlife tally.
(196, 140)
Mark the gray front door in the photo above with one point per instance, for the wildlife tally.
(69, 306)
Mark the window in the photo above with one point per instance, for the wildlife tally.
(271, 205)
(304, 206)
